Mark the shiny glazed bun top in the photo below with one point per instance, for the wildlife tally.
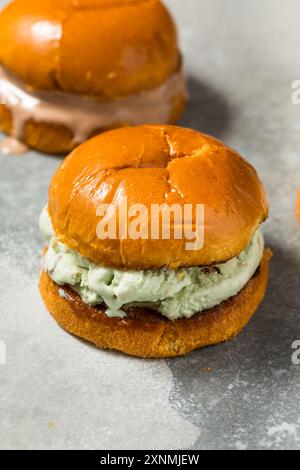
(104, 48)
(156, 165)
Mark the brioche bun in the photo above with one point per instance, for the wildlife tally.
(144, 333)
(116, 61)
(156, 165)
(102, 48)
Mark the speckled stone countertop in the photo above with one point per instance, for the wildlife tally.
(57, 392)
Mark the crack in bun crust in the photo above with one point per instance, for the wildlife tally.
(147, 334)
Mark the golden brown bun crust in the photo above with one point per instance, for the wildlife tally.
(147, 334)
(56, 139)
(156, 165)
(105, 48)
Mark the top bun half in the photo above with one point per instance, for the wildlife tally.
(156, 165)
(101, 48)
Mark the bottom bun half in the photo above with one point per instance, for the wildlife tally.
(145, 333)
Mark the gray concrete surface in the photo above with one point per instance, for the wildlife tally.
(58, 392)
